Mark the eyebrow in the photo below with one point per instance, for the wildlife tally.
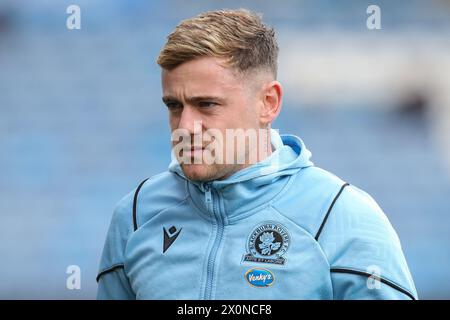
(194, 99)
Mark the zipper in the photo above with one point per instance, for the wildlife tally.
(208, 197)
(219, 235)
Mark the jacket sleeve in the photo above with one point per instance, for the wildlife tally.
(113, 282)
(114, 285)
(364, 252)
(366, 286)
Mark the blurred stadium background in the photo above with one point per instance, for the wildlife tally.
(82, 122)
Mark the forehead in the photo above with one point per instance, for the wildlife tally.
(200, 76)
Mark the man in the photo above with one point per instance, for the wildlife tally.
(258, 221)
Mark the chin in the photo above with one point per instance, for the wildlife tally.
(197, 172)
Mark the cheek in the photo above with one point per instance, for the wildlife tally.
(250, 108)
(240, 115)
(173, 121)
(249, 116)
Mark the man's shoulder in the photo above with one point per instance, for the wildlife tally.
(358, 239)
(347, 205)
(149, 197)
(320, 202)
(357, 221)
(350, 226)
(308, 196)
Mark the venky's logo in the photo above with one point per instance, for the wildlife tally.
(267, 243)
(259, 277)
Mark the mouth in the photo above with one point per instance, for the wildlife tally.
(194, 152)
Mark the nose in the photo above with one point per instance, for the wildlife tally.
(190, 120)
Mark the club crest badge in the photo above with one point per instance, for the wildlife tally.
(267, 243)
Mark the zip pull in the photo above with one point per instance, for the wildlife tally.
(208, 197)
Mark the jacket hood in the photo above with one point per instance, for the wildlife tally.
(255, 184)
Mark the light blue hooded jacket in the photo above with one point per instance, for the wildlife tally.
(280, 229)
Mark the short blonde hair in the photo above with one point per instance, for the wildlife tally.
(239, 36)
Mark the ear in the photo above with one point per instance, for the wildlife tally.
(271, 102)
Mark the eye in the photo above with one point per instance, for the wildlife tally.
(173, 105)
(206, 104)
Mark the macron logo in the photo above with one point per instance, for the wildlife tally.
(170, 237)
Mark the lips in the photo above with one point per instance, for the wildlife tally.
(194, 152)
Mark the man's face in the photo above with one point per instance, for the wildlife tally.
(201, 95)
